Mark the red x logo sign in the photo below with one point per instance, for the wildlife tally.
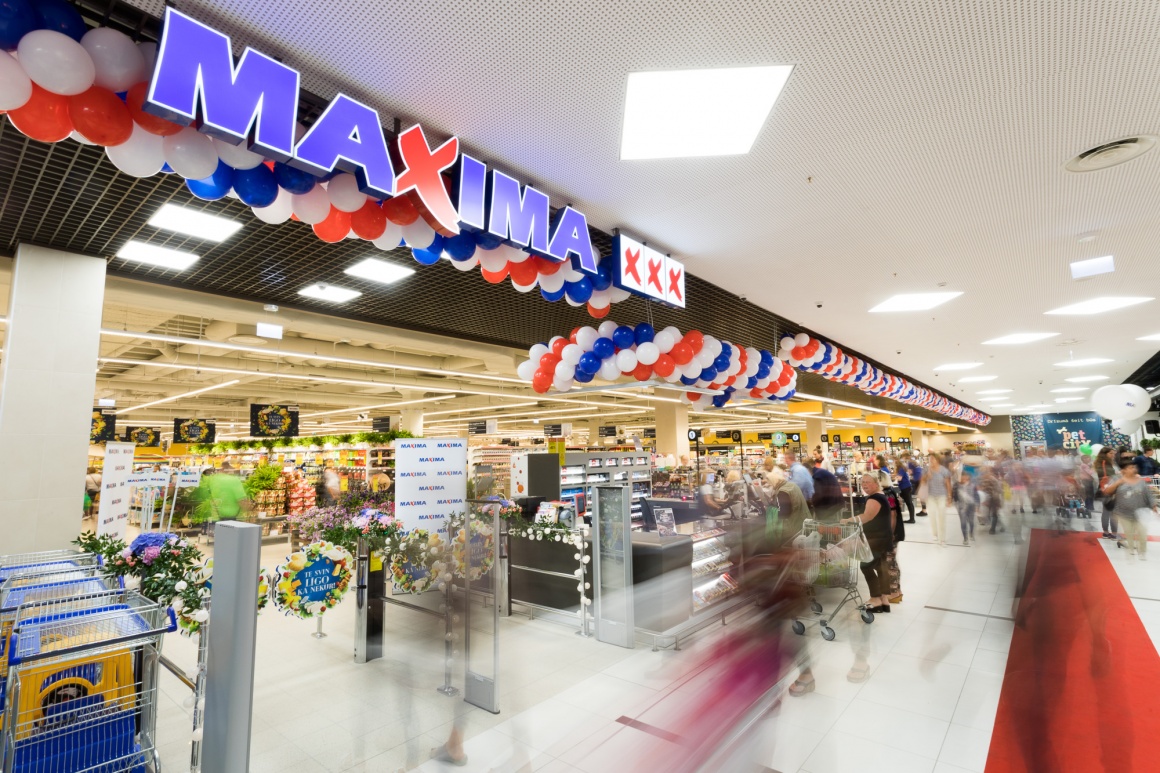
(422, 178)
(675, 283)
(630, 259)
(654, 275)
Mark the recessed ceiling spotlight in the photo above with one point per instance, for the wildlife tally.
(381, 271)
(994, 391)
(1100, 305)
(1082, 269)
(330, 293)
(151, 254)
(958, 366)
(1063, 390)
(1082, 379)
(1111, 153)
(974, 379)
(1018, 338)
(196, 223)
(913, 302)
(1082, 363)
(690, 113)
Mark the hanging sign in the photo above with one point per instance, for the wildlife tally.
(836, 438)
(273, 420)
(313, 580)
(557, 430)
(606, 431)
(430, 481)
(113, 511)
(476, 427)
(649, 433)
(763, 436)
(104, 425)
(188, 478)
(381, 424)
(779, 439)
(1069, 431)
(826, 439)
(644, 271)
(194, 430)
(142, 436)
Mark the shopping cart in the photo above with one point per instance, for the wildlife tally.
(47, 561)
(82, 685)
(827, 559)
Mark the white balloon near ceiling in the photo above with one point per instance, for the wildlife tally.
(1120, 401)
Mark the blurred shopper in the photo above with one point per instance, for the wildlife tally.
(898, 528)
(224, 494)
(828, 500)
(916, 473)
(992, 490)
(966, 502)
(792, 508)
(939, 493)
(1133, 499)
(1105, 473)
(1146, 465)
(712, 500)
(877, 524)
(92, 490)
(800, 475)
(331, 486)
(1085, 479)
(905, 488)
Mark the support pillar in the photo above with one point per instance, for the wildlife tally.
(815, 428)
(47, 381)
(412, 421)
(673, 430)
(918, 440)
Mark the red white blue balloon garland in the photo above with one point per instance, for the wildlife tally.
(614, 351)
(828, 361)
(69, 81)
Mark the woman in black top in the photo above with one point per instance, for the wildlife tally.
(879, 529)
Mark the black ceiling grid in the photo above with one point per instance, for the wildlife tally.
(70, 197)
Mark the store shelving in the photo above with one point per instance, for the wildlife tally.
(500, 460)
(584, 469)
(711, 566)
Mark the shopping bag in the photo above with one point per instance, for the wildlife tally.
(862, 552)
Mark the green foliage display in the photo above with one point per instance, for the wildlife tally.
(371, 438)
(263, 478)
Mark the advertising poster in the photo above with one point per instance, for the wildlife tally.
(1069, 431)
(142, 436)
(194, 430)
(104, 425)
(430, 481)
(519, 475)
(113, 512)
(273, 420)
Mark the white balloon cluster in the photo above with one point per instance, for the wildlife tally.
(1124, 404)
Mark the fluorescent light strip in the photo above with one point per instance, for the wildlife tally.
(1082, 379)
(375, 407)
(178, 397)
(1100, 305)
(1063, 390)
(196, 223)
(878, 410)
(1014, 339)
(480, 408)
(153, 255)
(913, 302)
(1082, 363)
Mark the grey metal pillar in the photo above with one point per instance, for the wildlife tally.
(229, 691)
(368, 614)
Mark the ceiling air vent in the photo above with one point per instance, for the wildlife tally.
(1111, 153)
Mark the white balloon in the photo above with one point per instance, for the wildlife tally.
(571, 353)
(418, 235)
(606, 329)
(626, 360)
(527, 369)
(523, 288)
(586, 336)
(713, 345)
(56, 62)
(311, 207)
(609, 371)
(344, 193)
(119, 64)
(801, 339)
(142, 155)
(75, 135)
(571, 302)
(691, 369)
(277, 212)
(552, 282)
(664, 341)
(391, 238)
(619, 294)
(1141, 399)
(600, 299)
(516, 255)
(675, 332)
(787, 342)
(704, 358)
(492, 260)
(537, 352)
(466, 265)
(1127, 426)
(674, 376)
(190, 153)
(562, 383)
(236, 155)
(565, 369)
(1113, 402)
(15, 85)
(149, 54)
(647, 353)
(571, 274)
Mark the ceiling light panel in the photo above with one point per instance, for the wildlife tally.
(914, 302)
(994, 392)
(958, 366)
(1082, 379)
(1082, 269)
(329, 293)
(1067, 399)
(381, 271)
(1013, 339)
(151, 254)
(976, 379)
(1064, 390)
(691, 113)
(196, 223)
(1100, 305)
(1153, 337)
(1082, 363)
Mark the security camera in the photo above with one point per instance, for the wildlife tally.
(818, 304)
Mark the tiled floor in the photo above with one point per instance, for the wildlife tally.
(937, 663)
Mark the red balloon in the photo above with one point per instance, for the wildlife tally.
(664, 366)
(100, 117)
(558, 345)
(542, 380)
(370, 222)
(798, 353)
(729, 381)
(757, 393)
(695, 339)
(134, 100)
(681, 353)
(643, 372)
(549, 362)
(334, 228)
(572, 335)
(494, 277)
(598, 313)
(545, 266)
(400, 210)
(43, 117)
(523, 273)
(693, 396)
(812, 347)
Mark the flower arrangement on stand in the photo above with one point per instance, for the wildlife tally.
(295, 599)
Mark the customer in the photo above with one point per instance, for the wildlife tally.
(331, 486)
(886, 484)
(800, 475)
(225, 493)
(992, 489)
(1133, 496)
(877, 524)
(1146, 463)
(939, 493)
(828, 500)
(915, 470)
(966, 502)
(1105, 473)
(93, 489)
(905, 487)
(792, 508)
(711, 504)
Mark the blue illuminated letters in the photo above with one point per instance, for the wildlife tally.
(348, 135)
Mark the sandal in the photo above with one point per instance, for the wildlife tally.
(800, 688)
(896, 599)
(444, 755)
(858, 674)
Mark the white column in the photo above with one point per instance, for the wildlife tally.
(918, 440)
(673, 430)
(815, 428)
(412, 421)
(47, 381)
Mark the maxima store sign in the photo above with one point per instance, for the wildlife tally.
(430, 481)
(253, 103)
(644, 271)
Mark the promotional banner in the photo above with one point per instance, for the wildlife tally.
(142, 436)
(273, 420)
(313, 580)
(430, 481)
(113, 513)
(1069, 431)
(104, 425)
(194, 430)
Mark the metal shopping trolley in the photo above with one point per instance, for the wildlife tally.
(827, 558)
(82, 685)
(47, 561)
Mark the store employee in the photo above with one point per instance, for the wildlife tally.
(708, 496)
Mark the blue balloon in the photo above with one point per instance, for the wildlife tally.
(487, 240)
(603, 348)
(426, 257)
(60, 16)
(589, 363)
(709, 374)
(583, 377)
(720, 400)
(766, 358)
(688, 380)
(214, 187)
(166, 168)
(552, 296)
(293, 180)
(751, 382)
(579, 291)
(623, 337)
(17, 19)
(643, 333)
(602, 279)
(722, 362)
(460, 247)
(762, 371)
(726, 350)
(256, 187)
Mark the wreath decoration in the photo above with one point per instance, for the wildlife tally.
(192, 430)
(273, 420)
(312, 580)
(98, 426)
(480, 546)
(144, 436)
(419, 561)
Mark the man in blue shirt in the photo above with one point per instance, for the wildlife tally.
(915, 479)
(800, 475)
(1145, 463)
